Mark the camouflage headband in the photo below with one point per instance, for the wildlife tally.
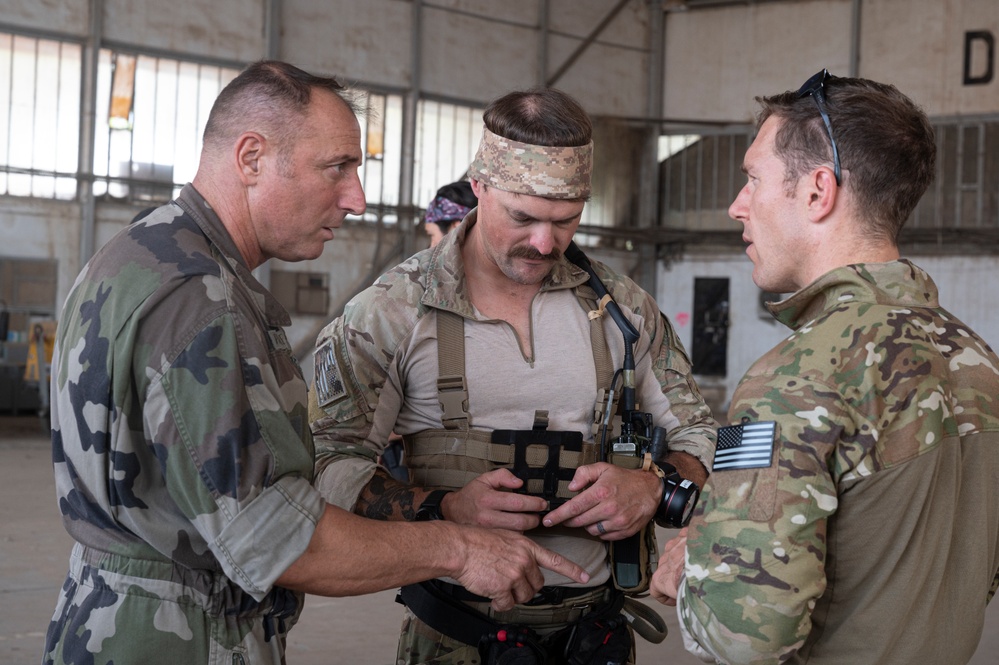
(536, 170)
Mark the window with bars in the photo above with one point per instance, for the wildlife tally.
(700, 177)
(151, 113)
(447, 136)
(39, 116)
(381, 141)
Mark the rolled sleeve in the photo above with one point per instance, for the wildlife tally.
(269, 534)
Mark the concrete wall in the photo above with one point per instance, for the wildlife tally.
(42, 229)
(718, 59)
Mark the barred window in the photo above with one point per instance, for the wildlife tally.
(39, 116)
(151, 114)
(447, 136)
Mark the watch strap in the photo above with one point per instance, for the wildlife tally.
(430, 509)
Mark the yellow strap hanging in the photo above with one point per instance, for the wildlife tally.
(601, 308)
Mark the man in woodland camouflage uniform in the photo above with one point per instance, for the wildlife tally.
(851, 513)
(183, 458)
(393, 362)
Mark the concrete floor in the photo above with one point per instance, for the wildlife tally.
(34, 551)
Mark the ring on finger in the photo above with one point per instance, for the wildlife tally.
(601, 529)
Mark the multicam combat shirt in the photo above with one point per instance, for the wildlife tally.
(182, 454)
(872, 535)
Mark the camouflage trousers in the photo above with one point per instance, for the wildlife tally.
(115, 609)
(419, 644)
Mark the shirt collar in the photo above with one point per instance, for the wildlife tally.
(898, 283)
(209, 222)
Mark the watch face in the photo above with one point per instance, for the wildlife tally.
(688, 508)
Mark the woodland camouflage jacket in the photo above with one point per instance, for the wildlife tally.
(183, 458)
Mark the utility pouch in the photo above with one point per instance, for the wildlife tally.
(514, 645)
(602, 637)
(631, 558)
(602, 641)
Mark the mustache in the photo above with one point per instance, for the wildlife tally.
(535, 255)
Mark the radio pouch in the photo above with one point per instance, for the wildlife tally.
(631, 558)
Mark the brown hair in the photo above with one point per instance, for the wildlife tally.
(885, 142)
(539, 116)
(266, 97)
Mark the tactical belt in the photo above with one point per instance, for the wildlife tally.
(449, 616)
(549, 595)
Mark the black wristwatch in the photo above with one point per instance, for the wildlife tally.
(679, 497)
(430, 509)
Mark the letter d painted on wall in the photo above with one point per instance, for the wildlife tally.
(983, 37)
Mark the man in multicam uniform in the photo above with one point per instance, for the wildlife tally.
(183, 458)
(851, 514)
(527, 339)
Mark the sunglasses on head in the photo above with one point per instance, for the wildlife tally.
(815, 86)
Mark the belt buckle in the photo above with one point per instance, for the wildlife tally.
(548, 595)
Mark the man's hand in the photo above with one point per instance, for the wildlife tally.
(613, 503)
(488, 502)
(666, 580)
(350, 555)
(503, 566)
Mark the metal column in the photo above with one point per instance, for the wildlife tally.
(88, 123)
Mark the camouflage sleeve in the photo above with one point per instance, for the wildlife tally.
(350, 416)
(222, 423)
(340, 419)
(757, 542)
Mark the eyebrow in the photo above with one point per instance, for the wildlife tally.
(522, 216)
(342, 158)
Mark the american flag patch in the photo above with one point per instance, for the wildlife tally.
(748, 446)
(329, 386)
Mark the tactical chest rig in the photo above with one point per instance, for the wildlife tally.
(546, 460)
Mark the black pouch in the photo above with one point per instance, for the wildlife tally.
(600, 641)
(514, 645)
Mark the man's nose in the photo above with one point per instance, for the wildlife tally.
(353, 200)
(739, 208)
(543, 238)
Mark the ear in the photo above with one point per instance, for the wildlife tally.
(477, 187)
(821, 193)
(250, 147)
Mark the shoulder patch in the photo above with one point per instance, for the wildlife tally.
(329, 385)
(746, 446)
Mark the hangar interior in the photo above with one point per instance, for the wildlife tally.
(105, 100)
(102, 103)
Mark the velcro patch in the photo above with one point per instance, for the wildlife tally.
(329, 385)
(747, 446)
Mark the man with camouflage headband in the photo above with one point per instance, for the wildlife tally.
(851, 513)
(183, 459)
(488, 334)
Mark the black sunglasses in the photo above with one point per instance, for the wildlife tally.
(815, 87)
